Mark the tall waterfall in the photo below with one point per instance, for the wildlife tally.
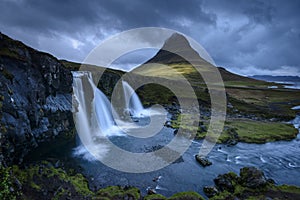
(93, 116)
(133, 103)
(94, 109)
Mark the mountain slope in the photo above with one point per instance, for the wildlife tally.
(180, 45)
(247, 95)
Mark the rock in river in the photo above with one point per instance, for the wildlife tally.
(203, 161)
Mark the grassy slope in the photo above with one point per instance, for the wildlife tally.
(245, 94)
(248, 96)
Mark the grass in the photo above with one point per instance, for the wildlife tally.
(247, 95)
(288, 188)
(242, 130)
(117, 192)
(186, 195)
(260, 132)
(155, 197)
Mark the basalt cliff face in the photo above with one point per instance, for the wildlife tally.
(36, 98)
(35, 95)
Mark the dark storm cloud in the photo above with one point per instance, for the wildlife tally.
(244, 36)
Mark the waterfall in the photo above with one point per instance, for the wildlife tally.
(95, 112)
(93, 116)
(133, 103)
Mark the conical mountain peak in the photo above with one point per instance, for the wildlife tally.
(176, 49)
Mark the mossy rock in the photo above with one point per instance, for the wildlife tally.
(118, 192)
(242, 189)
(155, 197)
(43, 177)
(186, 196)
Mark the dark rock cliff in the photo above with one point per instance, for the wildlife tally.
(36, 98)
(35, 95)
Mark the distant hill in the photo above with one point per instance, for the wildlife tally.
(277, 78)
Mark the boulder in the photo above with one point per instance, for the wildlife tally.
(203, 161)
(252, 177)
(210, 191)
(225, 182)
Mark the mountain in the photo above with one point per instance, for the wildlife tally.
(276, 78)
(244, 94)
(180, 45)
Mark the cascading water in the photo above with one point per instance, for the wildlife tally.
(133, 103)
(96, 119)
(92, 103)
(93, 116)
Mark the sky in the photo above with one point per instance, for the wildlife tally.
(247, 37)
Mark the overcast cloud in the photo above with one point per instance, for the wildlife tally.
(246, 37)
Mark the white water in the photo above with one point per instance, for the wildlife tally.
(93, 116)
(133, 103)
(96, 119)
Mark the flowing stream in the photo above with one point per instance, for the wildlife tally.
(279, 160)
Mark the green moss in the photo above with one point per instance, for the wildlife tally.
(35, 186)
(260, 132)
(117, 192)
(61, 193)
(269, 190)
(289, 188)
(29, 175)
(223, 195)
(155, 197)
(80, 184)
(6, 184)
(186, 195)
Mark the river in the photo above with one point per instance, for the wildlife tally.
(279, 161)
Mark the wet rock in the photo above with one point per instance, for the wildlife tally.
(168, 124)
(210, 191)
(231, 142)
(151, 191)
(225, 182)
(271, 181)
(203, 128)
(175, 131)
(252, 177)
(202, 160)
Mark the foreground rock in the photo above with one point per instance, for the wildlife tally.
(252, 177)
(251, 184)
(45, 181)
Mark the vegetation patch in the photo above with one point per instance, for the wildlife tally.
(237, 130)
(186, 195)
(251, 184)
(251, 131)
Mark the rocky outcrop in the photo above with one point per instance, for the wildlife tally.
(35, 91)
(250, 184)
(251, 177)
(36, 97)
